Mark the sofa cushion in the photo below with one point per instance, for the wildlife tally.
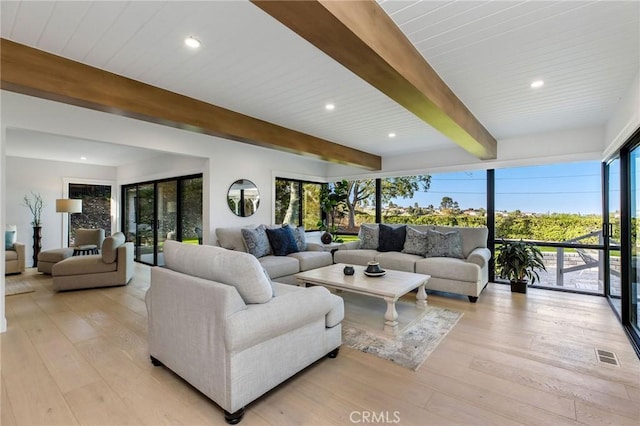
(55, 255)
(10, 255)
(354, 257)
(397, 261)
(231, 238)
(368, 235)
(415, 242)
(282, 241)
(471, 237)
(391, 239)
(83, 265)
(449, 268)
(237, 269)
(280, 266)
(256, 241)
(448, 244)
(110, 247)
(312, 259)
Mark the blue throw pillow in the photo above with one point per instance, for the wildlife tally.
(282, 241)
(9, 239)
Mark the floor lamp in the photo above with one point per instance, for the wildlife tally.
(67, 205)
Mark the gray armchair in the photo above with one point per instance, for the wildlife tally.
(84, 237)
(217, 321)
(112, 267)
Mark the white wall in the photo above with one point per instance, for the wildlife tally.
(24, 176)
(625, 120)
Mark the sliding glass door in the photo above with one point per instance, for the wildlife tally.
(153, 212)
(634, 177)
(612, 233)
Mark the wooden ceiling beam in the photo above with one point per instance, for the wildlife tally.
(362, 37)
(36, 73)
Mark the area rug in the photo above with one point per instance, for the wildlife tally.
(409, 348)
(17, 287)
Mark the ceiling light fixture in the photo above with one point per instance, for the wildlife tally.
(192, 42)
(392, 135)
(329, 107)
(537, 84)
(83, 158)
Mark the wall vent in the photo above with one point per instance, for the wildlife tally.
(607, 357)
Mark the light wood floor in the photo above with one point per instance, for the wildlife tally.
(81, 358)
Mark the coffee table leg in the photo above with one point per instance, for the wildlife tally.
(421, 297)
(391, 316)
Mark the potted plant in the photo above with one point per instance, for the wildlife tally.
(519, 261)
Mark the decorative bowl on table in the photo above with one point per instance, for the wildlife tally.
(374, 270)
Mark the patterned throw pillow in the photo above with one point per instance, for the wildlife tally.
(391, 239)
(447, 244)
(282, 241)
(298, 234)
(368, 235)
(416, 242)
(256, 241)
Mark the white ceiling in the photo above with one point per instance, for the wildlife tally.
(488, 52)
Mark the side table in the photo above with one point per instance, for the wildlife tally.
(85, 249)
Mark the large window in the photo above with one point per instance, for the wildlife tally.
(559, 204)
(96, 208)
(298, 203)
(450, 199)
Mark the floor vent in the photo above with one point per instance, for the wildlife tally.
(607, 357)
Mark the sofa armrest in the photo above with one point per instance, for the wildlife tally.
(264, 321)
(480, 256)
(20, 250)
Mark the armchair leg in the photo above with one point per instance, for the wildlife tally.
(233, 418)
(334, 353)
(473, 299)
(155, 362)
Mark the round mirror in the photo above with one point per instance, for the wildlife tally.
(243, 198)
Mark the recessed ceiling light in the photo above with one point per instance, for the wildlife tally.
(83, 158)
(537, 84)
(329, 107)
(192, 42)
(392, 135)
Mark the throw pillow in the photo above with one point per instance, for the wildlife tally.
(299, 235)
(448, 244)
(282, 241)
(368, 235)
(256, 241)
(391, 239)
(9, 239)
(416, 242)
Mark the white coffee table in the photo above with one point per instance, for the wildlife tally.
(390, 287)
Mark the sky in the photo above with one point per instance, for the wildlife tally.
(560, 188)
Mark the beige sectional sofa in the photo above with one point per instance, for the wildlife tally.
(309, 256)
(15, 259)
(217, 321)
(114, 266)
(467, 274)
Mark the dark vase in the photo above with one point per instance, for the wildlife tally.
(326, 238)
(518, 287)
(37, 244)
(348, 270)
